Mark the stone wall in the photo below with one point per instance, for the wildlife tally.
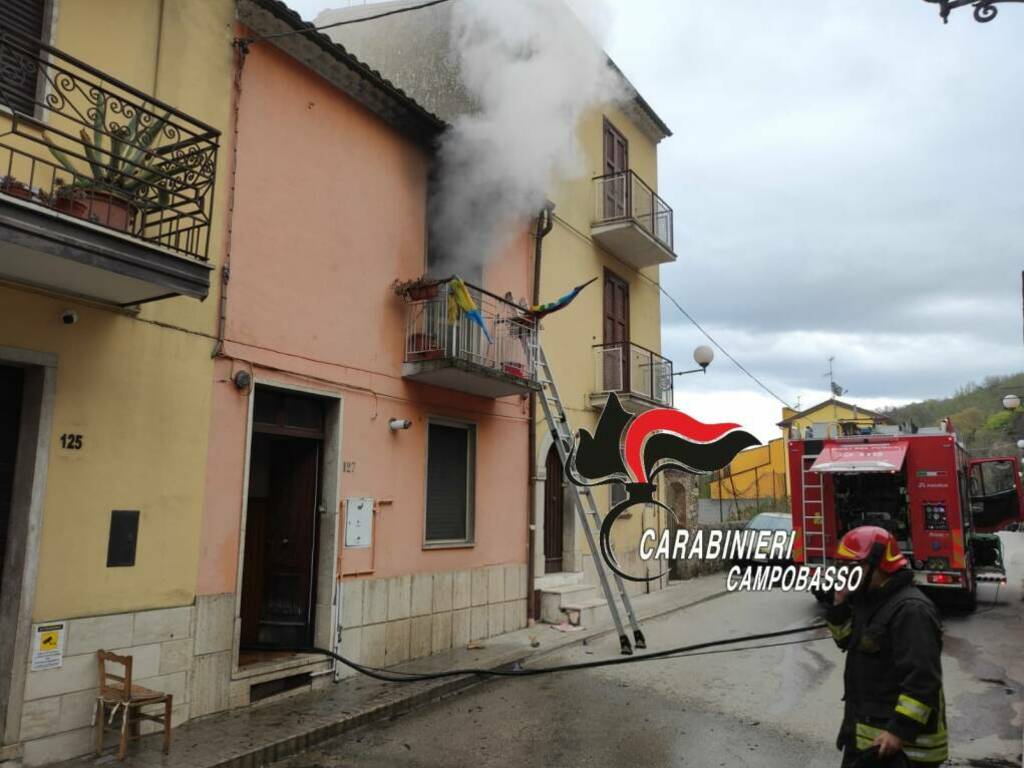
(388, 621)
(56, 718)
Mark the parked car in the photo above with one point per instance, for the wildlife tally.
(768, 521)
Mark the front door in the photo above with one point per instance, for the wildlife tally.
(279, 572)
(554, 517)
(616, 162)
(11, 385)
(995, 494)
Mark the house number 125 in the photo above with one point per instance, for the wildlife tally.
(71, 442)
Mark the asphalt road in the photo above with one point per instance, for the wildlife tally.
(765, 707)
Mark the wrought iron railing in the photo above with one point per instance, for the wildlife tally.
(629, 369)
(430, 335)
(90, 146)
(625, 197)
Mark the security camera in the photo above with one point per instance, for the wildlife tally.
(396, 424)
(69, 317)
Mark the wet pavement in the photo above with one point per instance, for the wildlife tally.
(766, 707)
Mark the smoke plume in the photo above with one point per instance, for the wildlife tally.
(533, 70)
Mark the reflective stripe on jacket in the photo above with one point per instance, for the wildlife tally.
(893, 677)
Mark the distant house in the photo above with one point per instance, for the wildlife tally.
(761, 472)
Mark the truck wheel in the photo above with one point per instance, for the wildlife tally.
(969, 599)
(823, 597)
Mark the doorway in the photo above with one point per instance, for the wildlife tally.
(616, 163)
(554, 514)
(616, 333)
(279, 572)
(12, 382)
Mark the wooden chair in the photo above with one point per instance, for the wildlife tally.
(119, 696)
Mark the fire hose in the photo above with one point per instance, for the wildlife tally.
(696, 649)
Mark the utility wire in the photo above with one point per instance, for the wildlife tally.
(712, 339)
(686, 314)
(311, 28)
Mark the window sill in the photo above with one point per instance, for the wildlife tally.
(449, 544)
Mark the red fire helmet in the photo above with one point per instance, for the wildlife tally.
(858, 543)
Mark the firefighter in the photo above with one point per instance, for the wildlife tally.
(894, 711)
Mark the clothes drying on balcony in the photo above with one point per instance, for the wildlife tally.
(537, 311)
(459, 300)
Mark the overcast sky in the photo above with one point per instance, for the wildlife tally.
(846, 181)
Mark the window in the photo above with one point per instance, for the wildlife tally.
(27, 19)
(451, 467)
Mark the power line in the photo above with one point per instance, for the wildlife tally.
(311, 28)
(686, 314)
(713, 340)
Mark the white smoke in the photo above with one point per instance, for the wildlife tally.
(533, 70)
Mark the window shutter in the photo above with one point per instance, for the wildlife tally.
(447, 483)
(24, 18)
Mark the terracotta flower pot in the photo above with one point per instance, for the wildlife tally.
(109, 211)
(15, 188)
(423, 292)
(98, 207)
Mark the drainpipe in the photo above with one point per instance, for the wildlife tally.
(545, 221)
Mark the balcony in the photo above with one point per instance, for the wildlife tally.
(105, 192)
(642, 379)
(458, 355)
(631, 221)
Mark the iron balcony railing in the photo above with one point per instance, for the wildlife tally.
(623, 196)
(629, 369)
(90, 146)
(511, 350)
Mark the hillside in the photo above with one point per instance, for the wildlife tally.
(977, 413)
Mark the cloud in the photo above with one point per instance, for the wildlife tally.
(845, 182)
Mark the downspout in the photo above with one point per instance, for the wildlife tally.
(241, 52)
(545, 221)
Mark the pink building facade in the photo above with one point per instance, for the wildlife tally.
(367, 484)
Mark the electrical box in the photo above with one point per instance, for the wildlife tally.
(358, 522)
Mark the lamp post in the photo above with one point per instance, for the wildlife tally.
(1011, 402)
(984, 10)
(702, 356)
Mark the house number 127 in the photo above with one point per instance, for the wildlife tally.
(71, 442)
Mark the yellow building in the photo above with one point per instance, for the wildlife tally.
(608, 223)
(111, 115)
(761, 472)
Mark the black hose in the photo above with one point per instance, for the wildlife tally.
(392, 676)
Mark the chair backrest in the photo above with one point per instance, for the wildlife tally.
(122, 687)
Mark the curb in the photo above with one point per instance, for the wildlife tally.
(293, 745)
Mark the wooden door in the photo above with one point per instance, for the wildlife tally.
(616, 161)
(281, 535)
(11, 385)
(554, 513)
(616, 332)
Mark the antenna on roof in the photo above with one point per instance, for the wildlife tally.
(837, 391)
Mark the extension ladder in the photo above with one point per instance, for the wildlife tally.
(813, 513)
(561, 432)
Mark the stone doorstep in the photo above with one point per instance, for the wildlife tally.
(193, 748)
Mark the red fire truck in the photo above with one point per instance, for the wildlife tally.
(943, 507)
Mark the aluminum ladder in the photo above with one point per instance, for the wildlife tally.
(817, 517)
(561, 432)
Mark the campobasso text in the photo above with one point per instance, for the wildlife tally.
(763, 550)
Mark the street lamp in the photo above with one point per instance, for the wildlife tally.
(984, 10)
(1011, 402)
(702, 356)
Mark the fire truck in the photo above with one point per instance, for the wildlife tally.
(943, 507)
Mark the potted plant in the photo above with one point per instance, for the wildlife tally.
(11, 186)
(121, 177)
(420, 289)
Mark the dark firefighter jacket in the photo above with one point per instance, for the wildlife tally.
(893, 678)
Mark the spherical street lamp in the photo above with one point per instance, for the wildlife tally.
(703, 355)
(1011, 402)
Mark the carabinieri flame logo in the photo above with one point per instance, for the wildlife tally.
(632, 450)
